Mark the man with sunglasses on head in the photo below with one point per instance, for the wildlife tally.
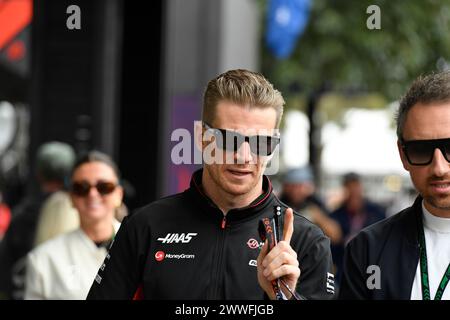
(408, 255)
(204, 243)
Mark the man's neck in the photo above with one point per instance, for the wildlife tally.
(441, 213)
(99, 231)
(226, 201)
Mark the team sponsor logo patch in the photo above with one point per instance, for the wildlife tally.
(161, 255)
(253, 263)
(177, 237)
(254, 244)
(330, 283)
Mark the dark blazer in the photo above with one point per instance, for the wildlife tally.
(393, 246)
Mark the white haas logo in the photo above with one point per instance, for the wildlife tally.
(175, 237)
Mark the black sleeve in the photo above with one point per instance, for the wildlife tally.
(316, 279)
(120, 275)
(6, 264)
(353, 285)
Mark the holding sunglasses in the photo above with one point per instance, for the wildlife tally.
(228, 140)
(82, 188)
(421, 152)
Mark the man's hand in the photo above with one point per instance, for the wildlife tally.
(280, 262)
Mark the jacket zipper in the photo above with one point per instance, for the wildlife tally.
(219, 265)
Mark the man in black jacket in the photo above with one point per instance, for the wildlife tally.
(408, 255)
(204, 243)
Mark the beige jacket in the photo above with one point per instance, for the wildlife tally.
(64, 267)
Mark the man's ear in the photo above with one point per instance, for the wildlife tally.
(402, 156)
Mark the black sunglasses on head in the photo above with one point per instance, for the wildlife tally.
(420, 152)
(82, 188)
(228, 140)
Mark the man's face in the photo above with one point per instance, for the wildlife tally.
(354, 189)
(244, 174)
(298, 192)
(425, 122)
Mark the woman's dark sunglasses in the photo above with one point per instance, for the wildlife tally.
(82, 188)
(227, 140)
(420, 152)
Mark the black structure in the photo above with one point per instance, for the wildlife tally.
(98, 87)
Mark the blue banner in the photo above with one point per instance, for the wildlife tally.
(287, 20)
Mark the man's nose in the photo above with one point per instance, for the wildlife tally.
(243, 154)
(439, 165)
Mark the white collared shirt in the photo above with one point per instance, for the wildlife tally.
(437, 239)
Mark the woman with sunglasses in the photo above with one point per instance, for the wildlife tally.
(65, 267)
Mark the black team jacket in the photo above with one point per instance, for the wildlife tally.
(393, 246)
(183, 247)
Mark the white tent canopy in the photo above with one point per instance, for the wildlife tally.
(365, 144)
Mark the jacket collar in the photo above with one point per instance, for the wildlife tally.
(234, 215)
(416, 223)
(406, 269)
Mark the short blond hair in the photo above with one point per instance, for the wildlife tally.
(242, 87)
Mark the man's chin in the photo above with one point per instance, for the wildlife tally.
(439, 203)
(237, 189)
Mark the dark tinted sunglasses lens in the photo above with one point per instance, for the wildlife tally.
(419, 153)
(231, 140)
(274, 141)
(219, 138)
(263, 145)
(445, 148)
(105, 188)
(80, 188)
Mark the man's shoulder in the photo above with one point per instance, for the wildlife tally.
(375, 209)
(339, 212)
(382, 229)
(163, 206)
(307, 226)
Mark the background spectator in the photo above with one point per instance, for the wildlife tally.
(298, 192)
(355, 213)
(65, 267)
(54, 161)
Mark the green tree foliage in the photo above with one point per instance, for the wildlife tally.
(337, 48)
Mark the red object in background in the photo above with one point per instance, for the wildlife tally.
(16, 51)
(184, 177)
(15, 15)
(5, 218)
